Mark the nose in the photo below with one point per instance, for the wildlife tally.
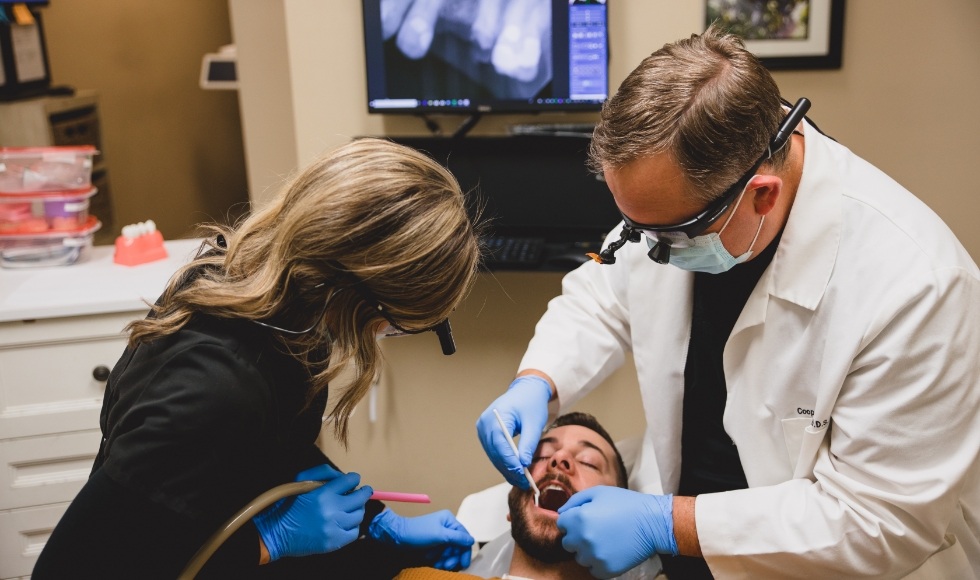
(561, 461)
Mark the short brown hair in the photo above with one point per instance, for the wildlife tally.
(590, 422)
(706, 101)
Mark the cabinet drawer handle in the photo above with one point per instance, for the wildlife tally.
(101, 373)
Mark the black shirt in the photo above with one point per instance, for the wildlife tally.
(709, 459)
(197, 424)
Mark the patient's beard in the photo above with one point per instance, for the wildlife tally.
(538, 537)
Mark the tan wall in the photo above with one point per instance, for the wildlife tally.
(173, 151)
(908, 66)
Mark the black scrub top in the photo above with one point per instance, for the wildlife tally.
(709, 459)
(197, 424)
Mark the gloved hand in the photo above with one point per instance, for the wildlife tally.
(611, 529)
(524, 409)
(436, 530)
(317, 521)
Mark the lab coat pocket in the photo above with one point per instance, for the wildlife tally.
(793, 434)
(811, 440)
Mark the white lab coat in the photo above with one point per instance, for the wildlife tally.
(853, 380)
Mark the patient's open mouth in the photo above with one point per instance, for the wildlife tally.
(553, 497)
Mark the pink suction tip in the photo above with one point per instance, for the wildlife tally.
(398, 496)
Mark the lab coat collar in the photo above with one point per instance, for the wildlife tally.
(801, 269)
(805, 258)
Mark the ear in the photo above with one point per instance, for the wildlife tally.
(764, 191)
(508, 516)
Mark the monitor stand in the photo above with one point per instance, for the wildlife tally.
(466, 125)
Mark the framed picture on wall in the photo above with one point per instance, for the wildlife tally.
(785, 34)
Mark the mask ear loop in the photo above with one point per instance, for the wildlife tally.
(735, 209)
(757, 232)
(771, 153)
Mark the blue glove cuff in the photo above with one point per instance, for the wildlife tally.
(529, 382)
(268, 533)
(381, 527)
(668, 544)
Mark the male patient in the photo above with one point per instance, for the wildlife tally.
(575, 453)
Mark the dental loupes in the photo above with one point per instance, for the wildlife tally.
(513, 446)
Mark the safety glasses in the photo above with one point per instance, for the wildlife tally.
(703, 220)
(443, 330)
(694, 226)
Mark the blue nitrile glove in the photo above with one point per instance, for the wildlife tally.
(611, 529)
(318, 521)
(524, 409)
(438, 530)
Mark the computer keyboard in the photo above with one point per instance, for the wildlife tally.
(514, 251)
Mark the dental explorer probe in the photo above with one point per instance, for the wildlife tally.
(513, 446)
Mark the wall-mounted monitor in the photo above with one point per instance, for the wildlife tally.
(486, 56)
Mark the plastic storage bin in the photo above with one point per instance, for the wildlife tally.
(48, 248)
(37, 169)
(43, 212)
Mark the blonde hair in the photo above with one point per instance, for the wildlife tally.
(705, 101)
(369, 226)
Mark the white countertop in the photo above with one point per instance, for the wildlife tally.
(95, 285)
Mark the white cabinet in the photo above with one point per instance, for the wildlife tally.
(61, 331)
(50, 401)
(48, 371)
(22, 536)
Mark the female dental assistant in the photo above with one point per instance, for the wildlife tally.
(221, 393)
(806, 335)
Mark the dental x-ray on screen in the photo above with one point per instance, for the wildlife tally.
(465, 56)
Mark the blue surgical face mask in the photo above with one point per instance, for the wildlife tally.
(706, 253)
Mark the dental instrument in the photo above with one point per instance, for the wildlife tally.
(399, 496)
(513, 446)
(263, 501)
